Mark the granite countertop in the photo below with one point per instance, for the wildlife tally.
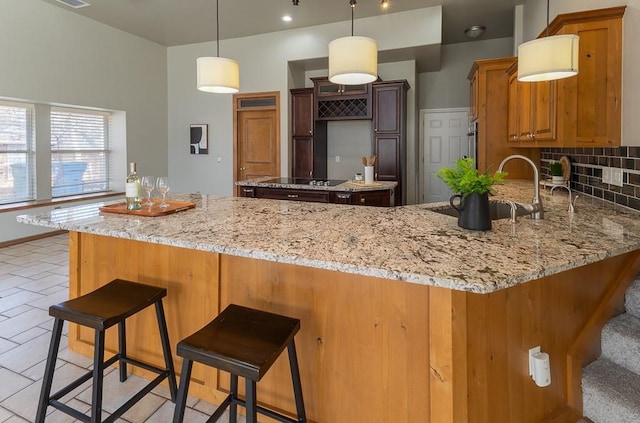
(353, 186)
(408, 243)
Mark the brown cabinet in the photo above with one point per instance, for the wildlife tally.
(590, 103)
(378, 198)
(308, 137)
(341, 102)
(494, 103)
(532, 116)
(579, 111)
(389, 134)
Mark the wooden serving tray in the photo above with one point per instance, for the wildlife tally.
(174, 207)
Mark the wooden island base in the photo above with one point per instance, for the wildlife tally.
(373, 350)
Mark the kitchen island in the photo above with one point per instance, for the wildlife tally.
(405, 316)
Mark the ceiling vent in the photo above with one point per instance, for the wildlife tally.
(76, 4)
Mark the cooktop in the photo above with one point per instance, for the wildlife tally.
(307, 181)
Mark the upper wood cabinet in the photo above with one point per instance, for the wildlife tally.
(591, 102)
(325, 88)
(579, 111)
(302, 112)
(490, 82)
(341, 102)
(532, 114)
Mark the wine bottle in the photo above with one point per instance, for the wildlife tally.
(133, 188)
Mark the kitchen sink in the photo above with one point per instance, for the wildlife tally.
(498, 210)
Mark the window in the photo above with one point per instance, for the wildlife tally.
(79, 152)
(17, 172)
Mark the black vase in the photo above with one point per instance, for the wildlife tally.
(473, 211)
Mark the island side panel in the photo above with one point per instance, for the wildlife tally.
(502, 326)
(362, 347)
(191, 279)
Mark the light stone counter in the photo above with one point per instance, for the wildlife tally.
(409, 243)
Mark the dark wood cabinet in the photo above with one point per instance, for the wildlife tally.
(341, 102)
(302, 112)
(378, 198)
(308, 137)
(389, 133)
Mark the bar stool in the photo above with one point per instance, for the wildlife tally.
(106, 306)
(244, 342)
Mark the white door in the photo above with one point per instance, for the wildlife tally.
(444, 139)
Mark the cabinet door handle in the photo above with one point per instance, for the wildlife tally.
(344, 196)
(362, 201)
(292, 195)
(310, 132)
(242, 169)
(311, 174)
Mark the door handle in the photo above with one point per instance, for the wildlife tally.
(242, 169)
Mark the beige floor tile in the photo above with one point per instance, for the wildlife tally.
(26, 355)
(24, 402)
(165, 414)
(6, 345)
(36, 269)
(48, 281)
(11, 383)
(16, 419)
(27, 259)
(23, 322)
(16, 310)
(28, 335)
(45, 301)
(17, 299)
(37, 371)
(12, 282)
(5, 414)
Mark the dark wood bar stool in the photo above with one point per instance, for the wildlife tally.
(244, 342)
(106, 306)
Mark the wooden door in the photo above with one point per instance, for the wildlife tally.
(544, 111)
(256, 136)
(513, 110)
(302, 112)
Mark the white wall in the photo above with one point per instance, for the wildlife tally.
(53, 56)
(535, 22)
(264, 66)
(449, 87)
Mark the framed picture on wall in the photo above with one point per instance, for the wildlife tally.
(199, 142)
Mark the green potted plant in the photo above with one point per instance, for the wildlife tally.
(557, 173)
(472, 189)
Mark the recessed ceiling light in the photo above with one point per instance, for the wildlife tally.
(474, 31)
(76, 4)
(287, 18)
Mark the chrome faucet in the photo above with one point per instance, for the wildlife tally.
(535, 208)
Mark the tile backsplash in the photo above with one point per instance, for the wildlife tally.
(586, 171)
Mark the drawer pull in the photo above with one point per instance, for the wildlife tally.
(247, 190)
(292, 195)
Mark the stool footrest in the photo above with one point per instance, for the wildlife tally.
(269, 413)
(53, 399)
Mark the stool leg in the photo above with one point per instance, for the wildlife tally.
(48, 371)
(252, 411)
(166, 349)
(295, 377)
(181, 400)
(233, 408)
(122, 349)
(98, 372)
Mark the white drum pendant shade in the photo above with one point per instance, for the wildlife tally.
(353, 60)
(548, 58)
(218, 75)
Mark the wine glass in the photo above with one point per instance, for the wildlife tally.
(162, 185)
(148, 184)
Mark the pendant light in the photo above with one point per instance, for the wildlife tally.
(548, 58)
(217, 74)
(353, 60)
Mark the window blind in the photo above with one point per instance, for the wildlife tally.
(17, 170)
(79, 152)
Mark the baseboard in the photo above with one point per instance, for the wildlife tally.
(31, 238)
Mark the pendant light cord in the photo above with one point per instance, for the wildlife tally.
(547, 18)
(352, 7)
(218, 30)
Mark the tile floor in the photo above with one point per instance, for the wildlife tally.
(34, 275)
